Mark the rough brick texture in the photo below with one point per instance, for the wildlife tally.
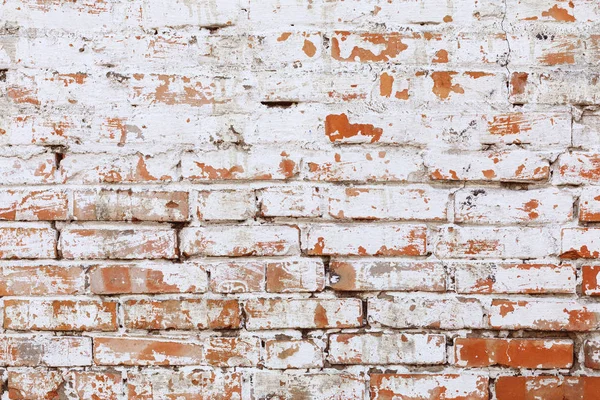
(299, 199)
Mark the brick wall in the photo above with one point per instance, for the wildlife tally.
(299, 199)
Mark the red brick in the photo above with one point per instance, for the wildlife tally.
(539, 130)
(127, 205)
(375, 275)
(237, 277)
(238, 241)
(375, 203)
(285, 354)
(505, 166)
(490, 206)
(60, 315)
(590, 284)
(148, 277)
(577, 86)
(514, 353)
(22, 240)
(578, 168)
(146, 351)
(33, 205)
(97, 168)
(182, 314)
(233, 164)
(496, 277)
(493, 242)
(101, 385)
(363, 165)
(154, 384)
(555, 11)
(382, 348)
(226, 205)
(232, 351)
(290, 201)
(366, 239)
(591, 353)
(342, 49)
(327, 385)
(32, 384)
(195, 91)
(60, 351)
(302, 275)
(425, 312)
(546, 315)
(580, 243)
(589, 205)
(41, 279)
(429, 387)
(51, 385)
(547, 387)
(303, 313)
(117, 242)
(35, 169)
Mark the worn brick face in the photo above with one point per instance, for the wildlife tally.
(430, 387)
(60, 315)
(62, 351)
(148, 277)
(491, 277)
(387, 349)
(117, 242)
(424, 312)
(376, 240)
(192, 383)
(299, 199)
(516, 353)
(287, 354)
(237, 241)
(303, 313)
(182, 314)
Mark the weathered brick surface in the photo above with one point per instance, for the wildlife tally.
(549, 315)
(122, 205)
(424, 312)
(182, 314)
(299, 199)
(481, 206)
(62, 351)
(387, 349)
(117, 241)
(425, 386)
(192, 383)
(146, 351)
(568, 387)
(373, 240)
(60, 315)
(284, 354)
(503, 277)
(148, 277)
(495, 242)
(237, 241)
(315, 385)
(590, 284)
(381, 274)
(303, 313)
(37, 278)
(516, 353)
(47, 385)
(33, 205)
